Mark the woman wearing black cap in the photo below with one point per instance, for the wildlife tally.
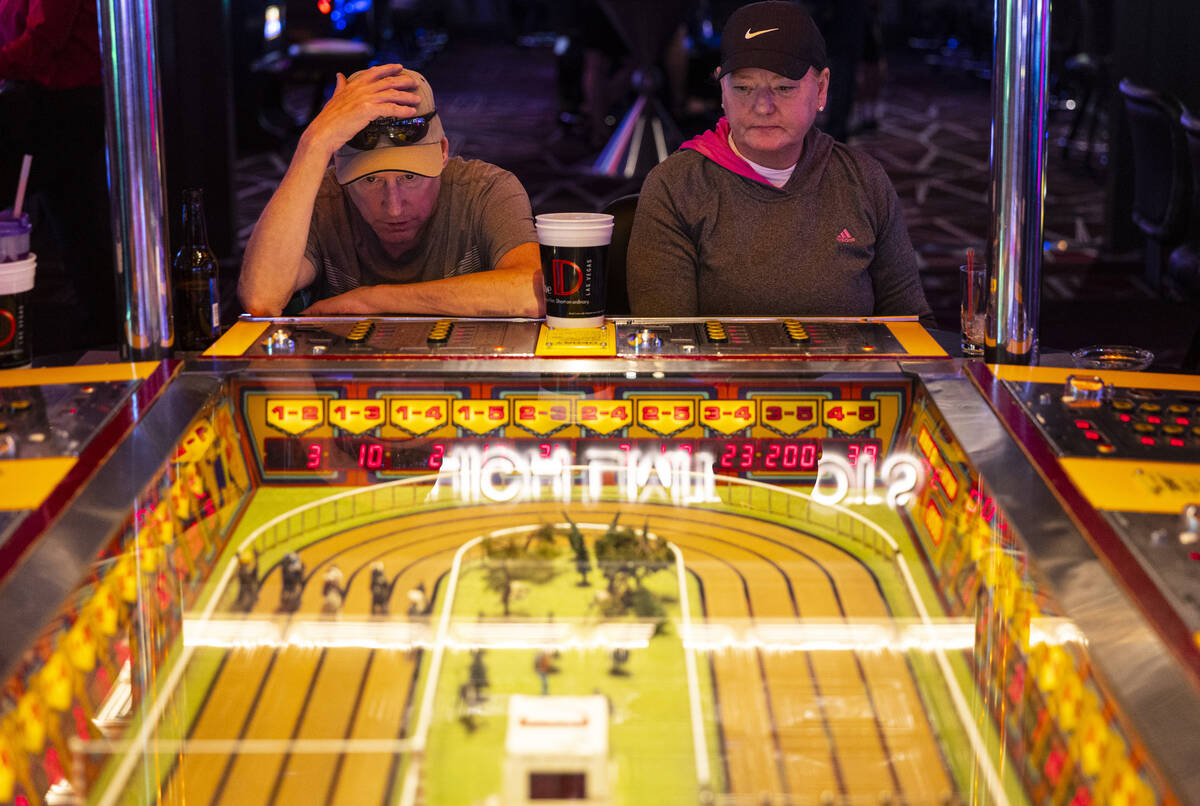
(767, 215)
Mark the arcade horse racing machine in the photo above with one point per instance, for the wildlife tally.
(421, 561)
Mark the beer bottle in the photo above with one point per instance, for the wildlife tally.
(197, 296)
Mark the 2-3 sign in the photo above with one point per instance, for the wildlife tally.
(543, 415)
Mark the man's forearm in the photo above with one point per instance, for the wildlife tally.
(501, 292)
(274, 259)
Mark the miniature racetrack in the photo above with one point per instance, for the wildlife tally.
(812, 725)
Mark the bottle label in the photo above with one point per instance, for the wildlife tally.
(216, 317)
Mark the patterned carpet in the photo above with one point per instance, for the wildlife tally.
(498, 102)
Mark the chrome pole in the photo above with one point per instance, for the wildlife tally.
(128, 42)
(1018, 186)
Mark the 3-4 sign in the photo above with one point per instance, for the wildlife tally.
(849, 416)
(726, 416)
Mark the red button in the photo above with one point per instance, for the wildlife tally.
(1083, 424)
(1153, 419)
(1125, 418)
(1091, 435)
(1147, 440)
(1181, 420)
(1177, 442)
(1194, 555)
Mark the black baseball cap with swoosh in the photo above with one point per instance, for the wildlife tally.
(773, 35)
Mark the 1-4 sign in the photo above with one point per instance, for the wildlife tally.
(418, 415)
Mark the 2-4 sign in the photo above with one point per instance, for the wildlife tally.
(604, 416)
(418, 415)
(357, 416)
(726, 416)
(789, 415)
(541, 415)
(850, 416)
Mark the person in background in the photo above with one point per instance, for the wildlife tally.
(51, 105)
(767, 215)
(395, 225)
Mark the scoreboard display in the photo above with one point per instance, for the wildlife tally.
(342, 433)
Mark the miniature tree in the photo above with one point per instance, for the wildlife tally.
(583, 562)
(509, 561)
(625, 559)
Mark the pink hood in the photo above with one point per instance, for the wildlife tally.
(714, 144)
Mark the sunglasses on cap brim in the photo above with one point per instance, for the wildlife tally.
(401, 131)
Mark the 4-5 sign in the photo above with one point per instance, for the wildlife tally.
(850, 416)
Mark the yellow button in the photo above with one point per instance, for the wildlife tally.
(1122, 405)
(1151, 407)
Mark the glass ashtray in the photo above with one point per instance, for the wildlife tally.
(1112, 356)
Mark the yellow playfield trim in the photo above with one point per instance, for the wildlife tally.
(25, 483)
(1135, 485)
(915, 339)
(85, 373)
(1144, 380)
(238, 339)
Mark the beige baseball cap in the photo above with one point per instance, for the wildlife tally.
(387, 143)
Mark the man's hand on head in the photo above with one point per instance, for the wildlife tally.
(377, 92)
(359, 302)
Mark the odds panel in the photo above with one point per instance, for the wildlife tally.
(353, 431)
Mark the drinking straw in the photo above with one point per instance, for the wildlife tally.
(25, 163)
(970, 283)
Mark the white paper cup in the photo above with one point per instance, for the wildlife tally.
(574, 249)
(16, 290)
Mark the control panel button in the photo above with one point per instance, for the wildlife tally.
(1084, 391)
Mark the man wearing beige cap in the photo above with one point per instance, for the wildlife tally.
(395, 225)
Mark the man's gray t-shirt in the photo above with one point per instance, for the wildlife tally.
(481, 213)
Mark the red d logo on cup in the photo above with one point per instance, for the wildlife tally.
(560, 271)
